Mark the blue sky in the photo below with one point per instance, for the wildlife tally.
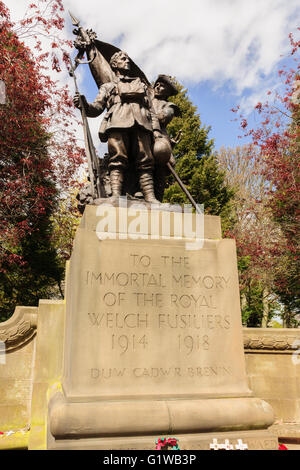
(214, 107)
(226, 52)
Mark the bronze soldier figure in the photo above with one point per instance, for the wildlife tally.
(164, 87)
(134, 125)
(130, 126)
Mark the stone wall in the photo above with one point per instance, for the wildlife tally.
(273, 369)
(17, 352)
(272, 362)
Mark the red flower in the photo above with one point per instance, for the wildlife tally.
(282, 447)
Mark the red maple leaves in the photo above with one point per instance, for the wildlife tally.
(39, 154)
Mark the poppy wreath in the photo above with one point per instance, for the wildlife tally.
(282, 447)
(165, 444)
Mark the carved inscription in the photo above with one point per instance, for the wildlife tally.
(190, 343)
(146, 279)
(161, 320)
(119, 320)
(197, 321)
(123, 342)
(154, 305)
(153, 372)
(123, 279)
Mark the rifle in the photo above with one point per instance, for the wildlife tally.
(97, 190)
(184, 189)
(178, 179)
(84, 42)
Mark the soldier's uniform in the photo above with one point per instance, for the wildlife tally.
(165, 112)
(128, 124)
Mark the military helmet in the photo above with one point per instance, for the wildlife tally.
(169, 81)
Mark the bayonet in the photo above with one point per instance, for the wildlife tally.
(84, 43)
(75, 22)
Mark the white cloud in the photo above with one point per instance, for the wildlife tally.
(196, 40)
(237, 42)
(17, 11)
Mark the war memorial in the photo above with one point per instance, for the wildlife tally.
(148, 342)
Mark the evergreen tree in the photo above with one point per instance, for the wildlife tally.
(196, 164)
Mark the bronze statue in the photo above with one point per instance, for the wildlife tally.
(129, 126)
(164, 87)
(134, 126)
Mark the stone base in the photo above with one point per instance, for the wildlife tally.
(255, 440)
(110, 425)
(287, 432)
(141, 417)
(153, 338)
(129, 201)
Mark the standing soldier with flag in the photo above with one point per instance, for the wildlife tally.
(140, 151)
(130, 126)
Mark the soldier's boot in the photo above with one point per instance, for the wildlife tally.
(147, 187)
(116, 183)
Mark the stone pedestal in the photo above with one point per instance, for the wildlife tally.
(153, 338)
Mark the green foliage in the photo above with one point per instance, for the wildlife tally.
(288, 290)
(194, 139)
(196, 164)
(275, 324)
(251, 297)
(30, 268)
(37, 277)
(252, 312)
(255, 303)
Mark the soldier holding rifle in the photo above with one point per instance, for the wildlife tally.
(134, 125)
(129, 126)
